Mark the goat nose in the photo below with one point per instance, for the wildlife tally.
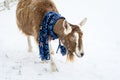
(82, 54)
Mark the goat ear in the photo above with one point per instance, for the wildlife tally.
(67, 27)
(83, 22)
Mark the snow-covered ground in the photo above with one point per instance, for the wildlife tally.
(101, 45)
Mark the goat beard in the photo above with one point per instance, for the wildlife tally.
(70, 56)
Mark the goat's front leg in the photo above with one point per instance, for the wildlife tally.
(52, 63)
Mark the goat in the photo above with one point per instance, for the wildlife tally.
(29, 15)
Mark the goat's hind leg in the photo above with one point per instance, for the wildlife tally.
(29, 44)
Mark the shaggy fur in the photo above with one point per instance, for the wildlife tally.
(30, 13)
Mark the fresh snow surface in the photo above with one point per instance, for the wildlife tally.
(101, 45)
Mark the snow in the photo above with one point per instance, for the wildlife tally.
(101, 45)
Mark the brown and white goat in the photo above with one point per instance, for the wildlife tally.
(29, 14)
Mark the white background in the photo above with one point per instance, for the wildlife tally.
(101, 45)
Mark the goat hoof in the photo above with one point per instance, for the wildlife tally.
(55, 70)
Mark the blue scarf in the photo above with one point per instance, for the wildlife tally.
(46, 30)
